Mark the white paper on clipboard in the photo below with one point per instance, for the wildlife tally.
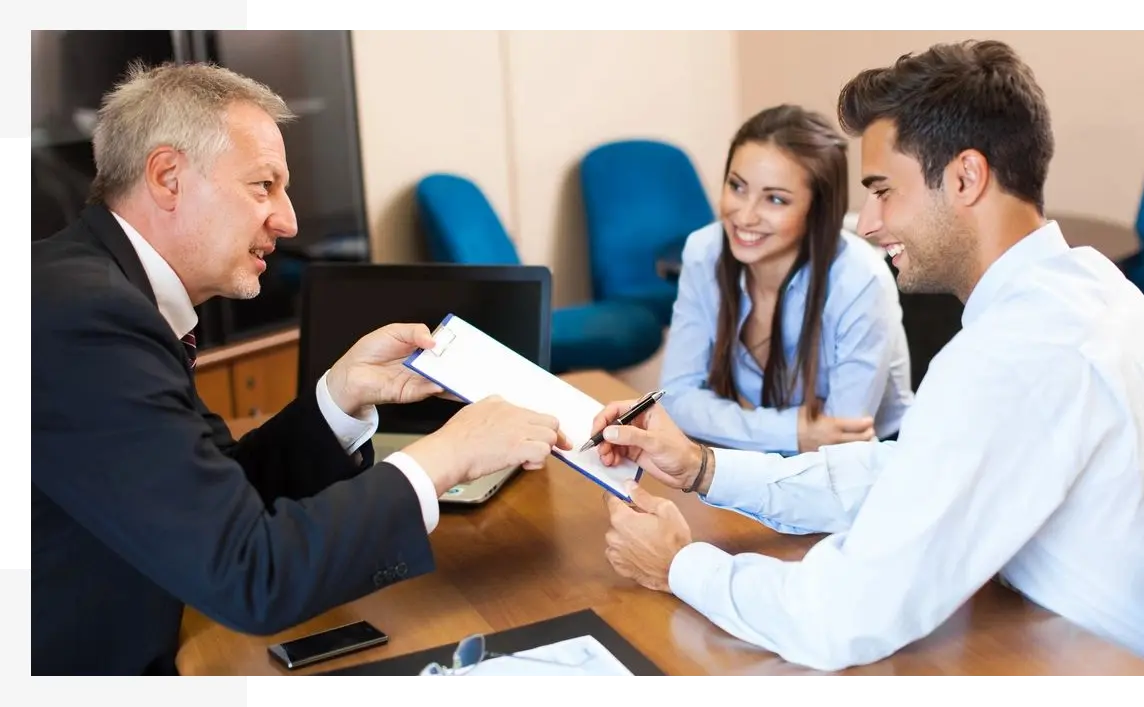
(472, 365)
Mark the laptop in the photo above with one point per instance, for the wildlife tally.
(341, 302)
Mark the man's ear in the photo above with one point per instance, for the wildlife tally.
(164, 167)
(967, 177)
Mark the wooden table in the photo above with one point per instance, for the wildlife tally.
(536, 551)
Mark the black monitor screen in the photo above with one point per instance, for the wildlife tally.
(343, 302)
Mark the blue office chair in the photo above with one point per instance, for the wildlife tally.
(642, 198)
(461, 226)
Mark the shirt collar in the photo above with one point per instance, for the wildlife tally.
(1042, 243)
(172, 298)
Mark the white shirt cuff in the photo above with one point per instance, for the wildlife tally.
(426, 492)
(690, 569)
(351, 431)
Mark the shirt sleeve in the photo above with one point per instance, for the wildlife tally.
(422, 485)
(353, 432)
(972, 478)
(697, 410)
(816, 492)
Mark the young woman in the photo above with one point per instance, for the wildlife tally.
(775, 300)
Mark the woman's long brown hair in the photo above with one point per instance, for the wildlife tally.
(808, 138)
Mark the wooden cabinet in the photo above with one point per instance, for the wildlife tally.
(264, 383)
(251, 378)
(214, 386)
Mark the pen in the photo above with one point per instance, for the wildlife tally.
(636, 410)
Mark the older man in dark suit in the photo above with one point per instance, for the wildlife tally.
(141, 500)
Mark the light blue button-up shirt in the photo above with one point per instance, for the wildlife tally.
(1023, 456)
(864, 364)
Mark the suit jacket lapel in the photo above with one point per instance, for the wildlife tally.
(100, 221)
(110, 234)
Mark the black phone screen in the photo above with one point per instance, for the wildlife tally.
(337, 641)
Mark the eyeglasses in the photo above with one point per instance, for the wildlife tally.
(471, 652)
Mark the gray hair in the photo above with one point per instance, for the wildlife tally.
(179, 105)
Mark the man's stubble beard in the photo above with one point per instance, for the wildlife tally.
(940, 254)
(248, 289)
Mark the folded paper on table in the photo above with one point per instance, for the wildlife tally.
(583, 655)
(472, 365)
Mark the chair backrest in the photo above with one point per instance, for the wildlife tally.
(640, 196)
(460, 223)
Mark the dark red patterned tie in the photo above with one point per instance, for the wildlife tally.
(189, 345)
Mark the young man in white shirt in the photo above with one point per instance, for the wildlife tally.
(1022, 454)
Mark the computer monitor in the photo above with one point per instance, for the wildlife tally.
(341, 302)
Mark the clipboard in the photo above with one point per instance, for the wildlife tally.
(472, 365)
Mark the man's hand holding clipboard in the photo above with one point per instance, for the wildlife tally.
(471, 365)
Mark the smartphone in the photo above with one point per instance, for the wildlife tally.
(324, 645)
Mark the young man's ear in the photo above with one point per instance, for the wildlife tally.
(967, 177)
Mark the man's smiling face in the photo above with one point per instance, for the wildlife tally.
(916, 225)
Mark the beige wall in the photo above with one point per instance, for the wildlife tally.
(1092, 81)
(515, 111)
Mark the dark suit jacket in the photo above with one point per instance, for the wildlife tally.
(143, 502)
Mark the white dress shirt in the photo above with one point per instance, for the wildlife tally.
(176, 307)
(1021, 456)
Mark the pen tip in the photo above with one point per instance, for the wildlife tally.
(586, 446)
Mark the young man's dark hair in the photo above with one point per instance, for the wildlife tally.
(952, 97)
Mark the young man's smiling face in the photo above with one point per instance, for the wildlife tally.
(929, 245)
